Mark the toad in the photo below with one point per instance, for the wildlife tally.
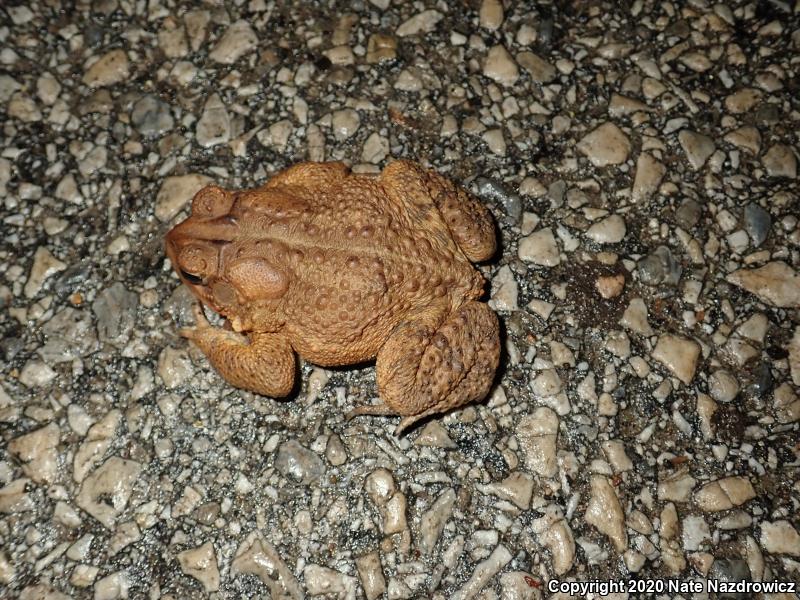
(343, 268)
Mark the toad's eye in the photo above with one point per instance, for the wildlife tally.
(193, 279)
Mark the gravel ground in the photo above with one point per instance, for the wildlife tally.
(641, 163)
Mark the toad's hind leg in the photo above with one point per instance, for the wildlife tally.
(263, 362)
(468, 221)
(431, 365)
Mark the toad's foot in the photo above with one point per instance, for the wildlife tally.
(261, 362)
(431, 365)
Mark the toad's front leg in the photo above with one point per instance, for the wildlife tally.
(261, 362)
(431, 365)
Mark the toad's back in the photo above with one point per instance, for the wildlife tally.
(358, 256)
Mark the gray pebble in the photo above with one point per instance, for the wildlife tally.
(659, 267)
(556, 193)
(730, 570)
(69, 335)
(494, 190)
(688, 213)
(762, 381)
(757, 223)
(299, 463)
(151, 116)
(115, 309)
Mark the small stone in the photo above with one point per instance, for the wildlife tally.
(409, 80)
(696, 61)
(695, 533)
(780, 537)
(105, 493)
(174, 367)
(794, 356)
(176, 192)
(376, 149)
(340, 55)
(370, 572)
(335, 451)
(321, 580)
(500, 66)
(605, 512)
(731, 571)
(14, 498)
(37, 451)
(757, 223)
(424, 22)
(172, 39)
(238, 39)
(537, 435)
(615, 453)
(723, 386)
(491, 14)
(433, 521)
(530, 186)
(754, 328)
(151, 116)
(676, 487)
(540, 248)
(196, 25)
(214, 126)
(538, 68)
(516, 488)
(112, 587)
(495, 141)
(610, 230)
(742, 101)
(345, 123)
(115, 310)
(610, 286)
(504, 290)
(97, 442)
(299, 463)
(492, 189)
(649, 173)
(724, 494)
(747, 137)
(381, 48)
(110, 69)
(483, 573)
(735, 519)
(659, 267)
(257, 556)
(20, 14)
(775, 283)
(697, 147)
(606, 145)
(679, 355)
(780, 161)
(70, 334)
(35, 373)
(546, 383)
(786, 404)
(24, 108)
(276, 135)
(45, 265)
(688, 213)
(201, 563)
(635, 317)
(83, 575)
(95, 160)
(555, 534)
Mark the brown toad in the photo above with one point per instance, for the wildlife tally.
(343, 268)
